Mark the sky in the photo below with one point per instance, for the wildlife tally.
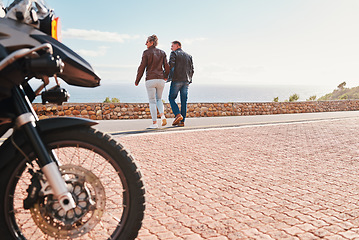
(232, 42)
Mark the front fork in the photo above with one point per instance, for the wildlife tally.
(26, 121)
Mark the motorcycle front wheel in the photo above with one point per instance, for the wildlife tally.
(102, 177)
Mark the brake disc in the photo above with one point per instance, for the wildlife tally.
(89, 195)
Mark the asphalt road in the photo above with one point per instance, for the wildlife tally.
(119, 127)
(127, 127)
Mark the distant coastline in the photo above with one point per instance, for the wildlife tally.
(127, 92)
(341, 93)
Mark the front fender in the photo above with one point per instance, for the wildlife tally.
(8, 150)
(62, 122)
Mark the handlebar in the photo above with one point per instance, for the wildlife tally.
(45, 65)
(23, 53)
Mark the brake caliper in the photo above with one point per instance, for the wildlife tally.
(33, 190)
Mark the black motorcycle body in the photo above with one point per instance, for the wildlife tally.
(59, 177)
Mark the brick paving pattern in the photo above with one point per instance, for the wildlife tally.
(285, 181)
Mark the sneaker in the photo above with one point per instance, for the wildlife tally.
(178, 118)
(153, 126)
(164, 121)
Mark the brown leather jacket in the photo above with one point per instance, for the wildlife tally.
(154, 60)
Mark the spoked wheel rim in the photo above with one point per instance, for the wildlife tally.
(106, 186)
(89, 196)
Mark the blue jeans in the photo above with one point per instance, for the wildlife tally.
(181, 87)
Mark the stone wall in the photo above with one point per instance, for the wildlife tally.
(107, 111)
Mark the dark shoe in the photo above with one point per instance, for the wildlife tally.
(181, 124)
(178, 118)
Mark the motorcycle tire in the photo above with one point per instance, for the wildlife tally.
(104, 180)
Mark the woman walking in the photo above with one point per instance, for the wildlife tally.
(154, 60)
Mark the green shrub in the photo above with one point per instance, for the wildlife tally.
(342, 85)
(113, 100)
(312, 98)
(343, 97)
(294, 97)
(326, 97)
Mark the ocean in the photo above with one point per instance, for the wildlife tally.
(128, 93)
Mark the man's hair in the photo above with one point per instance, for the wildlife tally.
(178, 43)
(153, 39)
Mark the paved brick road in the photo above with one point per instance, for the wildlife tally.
(287, 181)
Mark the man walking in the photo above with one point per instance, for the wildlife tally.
(182, 77)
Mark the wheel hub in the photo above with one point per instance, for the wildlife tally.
(89, 196)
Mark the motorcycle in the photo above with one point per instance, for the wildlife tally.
(60, 178)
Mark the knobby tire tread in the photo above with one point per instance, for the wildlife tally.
(137, 197)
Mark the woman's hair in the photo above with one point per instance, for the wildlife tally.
(153, 39)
